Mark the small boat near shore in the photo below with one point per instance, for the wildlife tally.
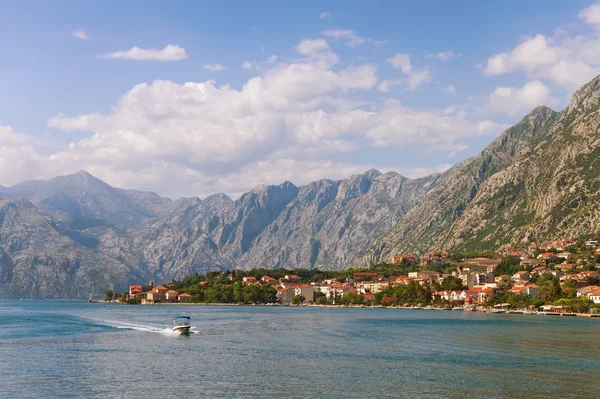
(181, 325)
(458, 308)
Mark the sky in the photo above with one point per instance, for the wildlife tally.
(190, 98)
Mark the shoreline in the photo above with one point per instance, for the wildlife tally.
(508, 312)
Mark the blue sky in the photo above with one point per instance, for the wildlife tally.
(329, 89)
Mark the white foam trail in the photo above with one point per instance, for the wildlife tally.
(140, 327)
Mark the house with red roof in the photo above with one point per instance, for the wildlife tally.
(249, 280)
(172, 296)
(185, 297)
(267, 279)
(521, 276)
(135, 290)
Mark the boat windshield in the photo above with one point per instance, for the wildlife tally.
(182, 321)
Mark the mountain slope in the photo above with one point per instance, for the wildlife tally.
(37, 261)
(538, 180)
(324, 224)
(83, 201)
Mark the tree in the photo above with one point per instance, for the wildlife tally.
(108, 294)
(251, 293)
(549, 286)
(268, 294)
(353, 298)
(321, 300)
(212, 295)
(508, 265)
(298, 299)
(238, 292)
(452, 283)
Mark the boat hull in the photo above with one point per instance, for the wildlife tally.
(181, 330)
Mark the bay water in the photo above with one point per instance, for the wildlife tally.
(71, 349)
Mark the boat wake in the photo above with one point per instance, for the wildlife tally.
(143, 328)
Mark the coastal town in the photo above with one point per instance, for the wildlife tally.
(556, 277)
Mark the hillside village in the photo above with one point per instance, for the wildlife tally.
(556, 276)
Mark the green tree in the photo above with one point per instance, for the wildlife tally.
(298, 299)
(252, 293)
(549, 287)
(268, 294)
(108, 294)
(321, 300)
(451, 283)
(212, 295)
(238, 290)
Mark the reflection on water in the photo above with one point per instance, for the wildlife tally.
(57, 349)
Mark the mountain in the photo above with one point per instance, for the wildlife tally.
(539, 180)
(37, 261)
(81, 201)
(325, 224)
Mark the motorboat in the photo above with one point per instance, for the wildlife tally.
(181, 325)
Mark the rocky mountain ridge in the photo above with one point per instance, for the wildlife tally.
(540, 179)
(140, 235)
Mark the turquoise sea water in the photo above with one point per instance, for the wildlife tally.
(52, 349)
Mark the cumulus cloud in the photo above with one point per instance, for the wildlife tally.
(196, 138)
(417, 78)
(81, 35)
(401, 61)
(19, 158)
(324, 15)
(214, 67)
(171, 52)
(414, 173)
(450, 89)
(351, 38)
(519, 101)
(386, 84)
(591, 15)
(414, 78)
(567, 60)
(248, 65)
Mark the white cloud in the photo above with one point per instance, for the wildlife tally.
(417, 78)
(567, 60)
(19, 158)
(324, 15)
(519, 101)
(591, 15)
(312, 46)
(81, 35)
(450, 89)
(197, 137)
(214, 67)
(414, 173)
(396, 125)
(386, 84)
(317, 53)
(271, 59)
(170, 53)
(401, 61)
(351, 38)
(414, 78)
(248, 65)
(446, 55)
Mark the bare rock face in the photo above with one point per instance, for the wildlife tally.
(37, 261)
(539, 180)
